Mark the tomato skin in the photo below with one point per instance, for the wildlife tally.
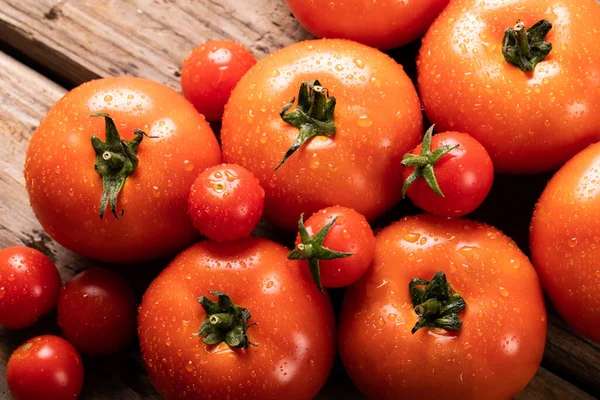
(45, 367)
(377, 118)
(211, 71)
(384, 25)
(564, 237)
(97, 312)
(65, 190)
(350, 233)
(29, 286)
(501, 342)
(226, 202)
(528, 122)
(465, 176)
(295, 332)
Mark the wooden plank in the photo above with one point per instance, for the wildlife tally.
(82, 40)
(547, 386)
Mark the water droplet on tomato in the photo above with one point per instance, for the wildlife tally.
(411, 237)
(188, 165)
(364, 121)
(572, 242)
(359, 63)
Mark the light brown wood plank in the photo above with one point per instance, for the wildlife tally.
(547, 386)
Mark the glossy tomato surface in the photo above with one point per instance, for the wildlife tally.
(29, 286)
(384, 24)
(65, 190)
(97, 312)
(565, 235)
(500, 345)
(45, 367)
(377, 119)
(528, 121)
(294, 331)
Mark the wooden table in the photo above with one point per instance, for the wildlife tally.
(50, 46)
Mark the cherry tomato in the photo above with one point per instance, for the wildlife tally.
(449, 175)
(530, 117)
(270, 336)
(337, 244)
(366, 116)
(386, 24)
(210, 73)
(226, 202)
(564, 241)
(481, 337)
(73, 177)
(29, 286)
(97, 312)
(46, 367)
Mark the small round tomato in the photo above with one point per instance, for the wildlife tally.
(565, 236)
(210, 73)
(45, 367)
(337, 244)
(236, 320)
(521, 77)
(447, 301)
(97, 312)
(323, 123)
(385, 25)
(449, 175)
(29, 286)
(226, 202)
(115, 187)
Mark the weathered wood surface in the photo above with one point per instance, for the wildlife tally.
(77, 40)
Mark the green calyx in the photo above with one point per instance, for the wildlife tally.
(225, 322)
(312, 250)
(116, 159)
(423, 163)
(525, 48)
(435, 305)
(313, 115)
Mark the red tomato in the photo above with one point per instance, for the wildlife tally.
(383, 24)
(366, 117)
(210, 73)
(226, 202)
(29, 285)
(97, 312)
(489, 350)
(565, 237)
(451, 177)
(65, 187)
(277, 308)
(530, 118)
(337, 244)
(46, 367)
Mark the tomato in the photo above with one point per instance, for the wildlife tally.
(29, 285)
(226, 202)
(449, 175)
(45, 367)
(149, 212)
(337, 244)
(346, 150)
(97, 312)
(392, 341)
(385, 25)
(210, 73)
(271, 335)
(564, 241)
(530, 118)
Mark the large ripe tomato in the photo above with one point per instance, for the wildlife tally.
(29, 286)
(366, 116)
(495, 352)
(65, 191)
(277, 308)
(43, 368)
(565, 241)
(383, 23)
(529, 121)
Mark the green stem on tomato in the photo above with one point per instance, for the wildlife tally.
(525, 48)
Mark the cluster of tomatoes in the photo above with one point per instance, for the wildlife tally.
(126, 170)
